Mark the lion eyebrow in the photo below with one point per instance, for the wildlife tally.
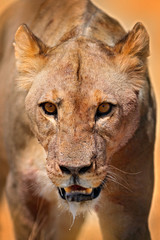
(58, 101)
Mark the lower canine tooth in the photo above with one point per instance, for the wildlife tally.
(88, 190)
(67, 189)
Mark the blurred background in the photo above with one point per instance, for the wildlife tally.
(127, 12)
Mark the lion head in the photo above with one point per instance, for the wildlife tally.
(85, 101)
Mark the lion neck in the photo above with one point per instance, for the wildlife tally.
(80, 18)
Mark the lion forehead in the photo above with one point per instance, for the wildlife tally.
(80, 68)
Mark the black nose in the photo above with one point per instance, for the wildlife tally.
(75, 170)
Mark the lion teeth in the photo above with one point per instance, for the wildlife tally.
(88, 190)
(68, 189)
(84, 191)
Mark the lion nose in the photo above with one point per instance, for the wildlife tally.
(75, 170)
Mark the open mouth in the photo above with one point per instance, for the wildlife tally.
(76, 193)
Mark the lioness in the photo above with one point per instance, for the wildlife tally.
(77, 121)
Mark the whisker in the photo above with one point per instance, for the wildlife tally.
(122, 171)
(60, 190)
(117, 182)
(118, 177)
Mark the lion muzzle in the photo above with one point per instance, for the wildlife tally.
(76, 193)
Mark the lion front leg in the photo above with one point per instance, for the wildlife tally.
(118, 223)
(35, 218)
(31, 214)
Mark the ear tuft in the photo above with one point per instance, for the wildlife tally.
(135, 43)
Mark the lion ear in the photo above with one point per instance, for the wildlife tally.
(30, 55)
(135, 43)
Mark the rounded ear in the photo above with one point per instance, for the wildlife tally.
(135, 43)
(30, 54)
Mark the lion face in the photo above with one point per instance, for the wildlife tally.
(83, 103)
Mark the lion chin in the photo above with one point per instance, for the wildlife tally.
(75, 205)
(75, 198)
(79, 199)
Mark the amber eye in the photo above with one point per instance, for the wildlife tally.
(49, 108)
(104, 109)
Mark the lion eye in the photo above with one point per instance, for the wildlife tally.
(104, 109)
(49, 108)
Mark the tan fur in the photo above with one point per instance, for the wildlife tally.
(78, 58)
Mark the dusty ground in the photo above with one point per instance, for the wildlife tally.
(128, 13)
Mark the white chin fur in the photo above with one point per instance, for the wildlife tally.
(77, 208)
